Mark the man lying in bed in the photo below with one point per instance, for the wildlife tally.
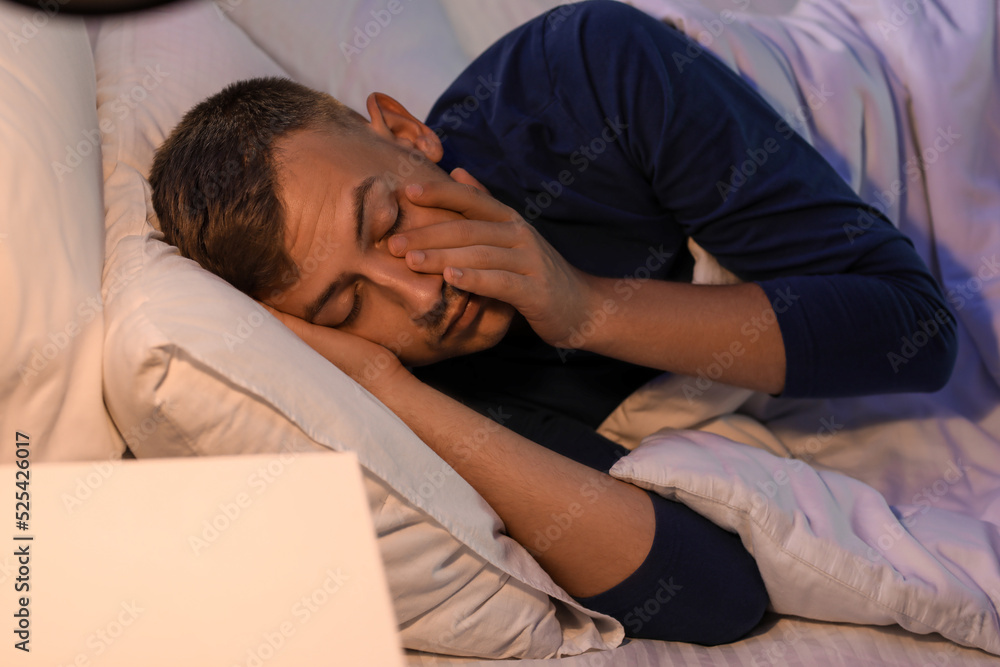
(618, 140)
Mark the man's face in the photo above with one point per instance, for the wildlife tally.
(343, 194)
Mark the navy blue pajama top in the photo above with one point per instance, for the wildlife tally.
(619, 138)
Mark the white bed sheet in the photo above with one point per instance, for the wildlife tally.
(780, 641)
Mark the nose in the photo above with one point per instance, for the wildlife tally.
(418, 294)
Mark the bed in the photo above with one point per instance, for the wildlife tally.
(874, 519)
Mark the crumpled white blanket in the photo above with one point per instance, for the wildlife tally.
(829, 547)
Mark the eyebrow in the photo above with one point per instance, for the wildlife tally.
(359, 196)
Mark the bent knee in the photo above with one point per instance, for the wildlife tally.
(743, 611)
(719, 613)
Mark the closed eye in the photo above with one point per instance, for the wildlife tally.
(356, 306)
(395, 226)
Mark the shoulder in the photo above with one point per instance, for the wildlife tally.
(601, 28)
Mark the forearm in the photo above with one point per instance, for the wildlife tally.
(605, 527)
(727, 332)
(534, 490)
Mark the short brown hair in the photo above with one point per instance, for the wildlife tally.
(215, 178)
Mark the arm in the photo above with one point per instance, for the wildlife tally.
(702, 324)
(671, 326)
(848, 292)
(526, 484)
(654, 138)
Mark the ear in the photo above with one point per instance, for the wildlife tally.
(391, 121)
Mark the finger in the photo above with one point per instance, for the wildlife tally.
(462, 176)
(472, 257)
(457, 234)
(492, 283)
(463, 198)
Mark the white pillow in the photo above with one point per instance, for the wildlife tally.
(192, 368)
(51, 242)
(404, 48)
(478, 24)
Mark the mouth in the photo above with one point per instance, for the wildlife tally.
(455, 322)
(463, 304)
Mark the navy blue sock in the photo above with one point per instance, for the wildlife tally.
(698, 584)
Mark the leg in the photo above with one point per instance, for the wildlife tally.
(698, 584)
